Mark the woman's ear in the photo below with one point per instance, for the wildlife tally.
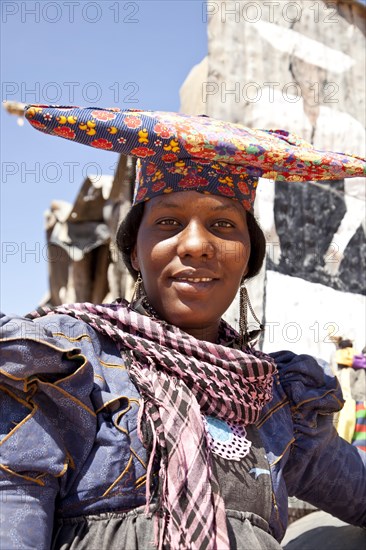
(244, 274)
(134, 260)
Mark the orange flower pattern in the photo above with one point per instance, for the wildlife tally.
(142, 152)
(37, 124)
(102, 143)
(195, 152)
(64, 131)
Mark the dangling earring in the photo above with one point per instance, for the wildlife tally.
(245, 335)
(139, 301)
(137, 289)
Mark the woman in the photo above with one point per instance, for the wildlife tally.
(154, 423)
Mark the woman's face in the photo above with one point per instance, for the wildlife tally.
(192, 251)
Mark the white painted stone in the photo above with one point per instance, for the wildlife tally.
(191, 96)
(309, 50)
(300, 316)
(264, 212)
(339, 131)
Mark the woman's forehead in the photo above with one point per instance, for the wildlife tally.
(193, 200)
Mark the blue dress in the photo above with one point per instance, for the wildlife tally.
(73, 470)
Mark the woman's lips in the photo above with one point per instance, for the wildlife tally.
(195, 279)
(194, 284)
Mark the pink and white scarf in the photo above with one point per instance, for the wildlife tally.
(179, 378)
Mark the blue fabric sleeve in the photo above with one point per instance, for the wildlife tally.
(47, 425)
(322, 468)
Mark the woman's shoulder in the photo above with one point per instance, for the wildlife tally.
(45, 386)
(59, 354)
(52, 336)
(49, 328)
(308, 382)
(56, 375)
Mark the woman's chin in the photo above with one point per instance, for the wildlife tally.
(192, 318)
(194, 290)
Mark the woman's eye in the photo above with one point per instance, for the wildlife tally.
(167, 222)
(223, 223)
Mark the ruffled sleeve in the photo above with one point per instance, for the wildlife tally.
(47, 425)
(322, 468)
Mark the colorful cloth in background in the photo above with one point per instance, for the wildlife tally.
(346, 419)
(359, 436)
(344, 357)
(351, 424)
(359, 361)
(180, 152)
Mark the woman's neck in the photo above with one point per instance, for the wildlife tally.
(209, 333)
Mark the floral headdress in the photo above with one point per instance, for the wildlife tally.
(178, 152)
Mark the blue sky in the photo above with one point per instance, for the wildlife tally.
(133, 54)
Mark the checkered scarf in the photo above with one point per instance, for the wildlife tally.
(180, 377)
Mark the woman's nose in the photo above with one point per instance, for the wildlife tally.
(196, 241)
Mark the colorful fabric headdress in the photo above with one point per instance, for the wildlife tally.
(179, 152)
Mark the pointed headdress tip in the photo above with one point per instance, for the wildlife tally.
(180, 152)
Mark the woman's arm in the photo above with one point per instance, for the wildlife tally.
(321, 468)
(330, 474)
(26, 511)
